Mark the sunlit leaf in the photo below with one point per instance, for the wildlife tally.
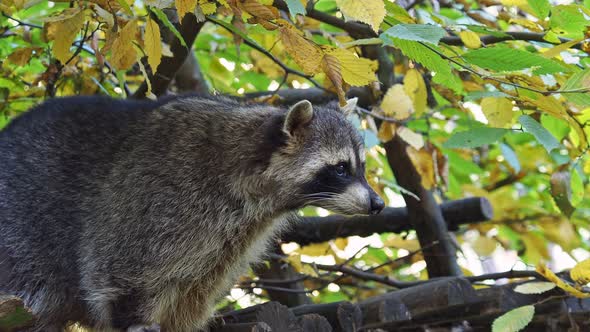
(396, 103)
(581, 272)
(63, 30)
(415, 88)
(470, 39)
(371, 12)
(514, 320)
(498, 111)
(549, 275)
(356, 71)
(153, 44)
(534, 287)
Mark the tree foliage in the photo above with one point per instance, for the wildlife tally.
(492, 98)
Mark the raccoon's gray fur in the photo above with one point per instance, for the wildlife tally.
(115, 213)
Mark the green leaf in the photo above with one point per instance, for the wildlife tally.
(511, 157)
(426, 33)
(431, 60)
(475, 137)
(568, 21)
(514, 320)
(510, 59)
(534, 287)
(577, 185)
(557, 127)
(542, 135)
(540, 7)
(579, 80)
(164, 19)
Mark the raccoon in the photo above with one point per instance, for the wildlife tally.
(115, 213)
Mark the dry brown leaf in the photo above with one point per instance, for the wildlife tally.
(305, 53)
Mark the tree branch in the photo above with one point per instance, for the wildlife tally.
(168, 68)
(396, 220)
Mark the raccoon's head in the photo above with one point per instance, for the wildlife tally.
(321, 161)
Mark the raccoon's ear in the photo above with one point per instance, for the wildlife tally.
(299, 116)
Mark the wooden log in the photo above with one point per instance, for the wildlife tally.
(320, 229)
(405, 304)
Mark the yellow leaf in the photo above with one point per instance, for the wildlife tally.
(305, 53)
(295, 261)
(63, 31)
(356, 71)
(341, 243)
(184, 6)
(208, 8)
(415, 87)
(398, 242)
(549, 275)
(484, 246)
(527, 24)
(414, 139)
(386, 131)
(153, 44)
(536, 248)
(498, 111)
(309, 270)
(424, 164)
(371, 12)
(561, 231)
(581, 272)
(556, 50)
(123, 53)
(470, 39)
(396, 103)
(316, 249)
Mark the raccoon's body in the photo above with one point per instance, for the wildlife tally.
(114, 213)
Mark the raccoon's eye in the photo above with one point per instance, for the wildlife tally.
(341, 169)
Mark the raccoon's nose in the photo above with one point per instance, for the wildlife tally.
(377, 204)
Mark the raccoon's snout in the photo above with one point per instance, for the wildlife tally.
(377, 204)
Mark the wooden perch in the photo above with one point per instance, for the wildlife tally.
(320, 229)
(440, 303)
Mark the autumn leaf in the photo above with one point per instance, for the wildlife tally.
(549, 275)
(498, 111)
(305, 53)
(371, 12)
(470, 39)
(185, 6)
(396, 103)
(356, 71)
(153, 44)
(581, 272)
(411, 137)
(207, 7)
(63, 30)
(331, 66)
(415, 88)
(423, 161)
(123, 53)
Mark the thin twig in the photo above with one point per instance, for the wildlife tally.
(283, 66)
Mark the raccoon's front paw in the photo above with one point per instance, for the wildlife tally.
(144, 328)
